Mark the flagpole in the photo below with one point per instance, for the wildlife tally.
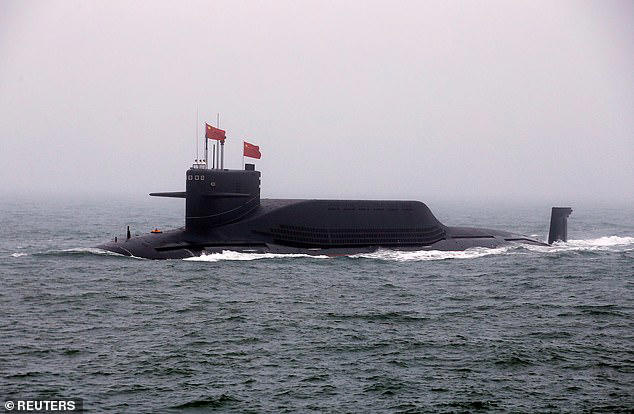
(206, 153)
(222, 144)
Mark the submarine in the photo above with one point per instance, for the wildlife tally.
(224, 211)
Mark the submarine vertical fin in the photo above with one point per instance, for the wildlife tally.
(559, 224)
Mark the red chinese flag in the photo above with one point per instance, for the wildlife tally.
(214, 133)
(251, 151)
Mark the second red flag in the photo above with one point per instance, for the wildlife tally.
(251, 151)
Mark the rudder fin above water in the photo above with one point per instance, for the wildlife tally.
(559, 224)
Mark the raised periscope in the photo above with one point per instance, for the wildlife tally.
(224, 212)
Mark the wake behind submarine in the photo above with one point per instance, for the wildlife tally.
(223, 211)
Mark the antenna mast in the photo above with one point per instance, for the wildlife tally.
(222, 144)
(197, 134)
(206, 151)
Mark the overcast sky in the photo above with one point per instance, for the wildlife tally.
(347, 99)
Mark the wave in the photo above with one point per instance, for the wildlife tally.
(425, 255)
(606, 243)
(90, 250)
(231, 255)
(209, 402)
(602, 241)
(86, 251)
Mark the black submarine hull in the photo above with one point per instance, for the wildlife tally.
(223, 211)
(319, 227)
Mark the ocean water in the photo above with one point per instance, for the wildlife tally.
(515, 329)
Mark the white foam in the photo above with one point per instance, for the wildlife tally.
(231, 255)
(606, 243)
(18, 254)
(425, 255)
(92, 250)
(603, 241)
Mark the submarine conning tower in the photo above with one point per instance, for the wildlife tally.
(214, 197)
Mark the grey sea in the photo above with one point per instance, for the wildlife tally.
(515, 329)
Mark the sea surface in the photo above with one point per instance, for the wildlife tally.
(515, 329)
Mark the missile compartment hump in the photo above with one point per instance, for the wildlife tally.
(339, 223)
